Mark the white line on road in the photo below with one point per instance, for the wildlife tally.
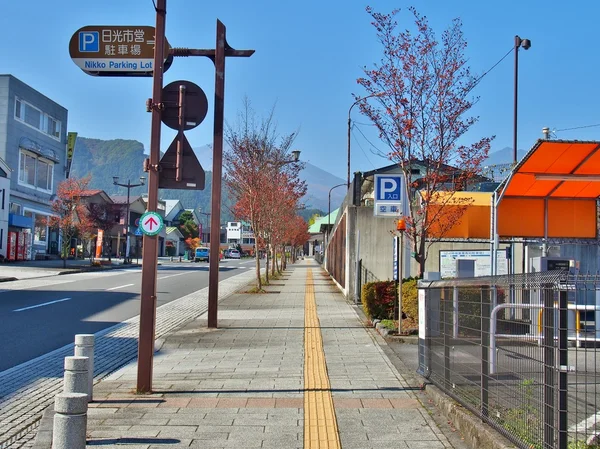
(171, 275)
(41, 305)
(120, 286)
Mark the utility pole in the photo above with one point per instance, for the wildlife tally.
(129, 186)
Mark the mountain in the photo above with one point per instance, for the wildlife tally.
(503, 156)
(103, 159)
(318, 182)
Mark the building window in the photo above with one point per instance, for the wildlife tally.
(40, 229)
(35, 171)
(32, 116)
(14, 208)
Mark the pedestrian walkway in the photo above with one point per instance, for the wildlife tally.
(293, 368)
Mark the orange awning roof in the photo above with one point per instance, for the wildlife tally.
(557, 169)
(551, 193)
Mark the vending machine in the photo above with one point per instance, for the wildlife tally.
(20, 245)
(11, 252)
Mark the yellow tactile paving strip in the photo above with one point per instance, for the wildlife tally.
(320, 425)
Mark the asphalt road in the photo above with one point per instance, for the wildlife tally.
(40, 315)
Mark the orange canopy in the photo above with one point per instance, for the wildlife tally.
(557, 169)
(551, 193)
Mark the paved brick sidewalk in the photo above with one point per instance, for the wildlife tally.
(242, 385)
(26, 390)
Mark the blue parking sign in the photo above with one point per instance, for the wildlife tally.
(89, 41)
(388, 187)
(388, 194)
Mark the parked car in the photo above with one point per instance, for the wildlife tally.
(234, 254)
(201, 254)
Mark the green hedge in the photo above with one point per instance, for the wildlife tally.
(379, 299)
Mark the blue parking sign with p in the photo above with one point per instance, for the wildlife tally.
(89, 41)
(388, 188)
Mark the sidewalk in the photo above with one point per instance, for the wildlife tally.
(289, 369)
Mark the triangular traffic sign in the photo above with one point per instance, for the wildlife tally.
(192, 172)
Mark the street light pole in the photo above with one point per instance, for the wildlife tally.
(526, 44)
(207, 214)
(129, 186)
(358, 100)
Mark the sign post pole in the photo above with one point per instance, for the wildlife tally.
(215, 223)
(150, 251)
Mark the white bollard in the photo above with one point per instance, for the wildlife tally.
(70, 421)
(76, 375)
(84, 347)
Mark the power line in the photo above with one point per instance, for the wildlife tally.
(365, 137)
(492, 68)
(363, 150)
(577, 127)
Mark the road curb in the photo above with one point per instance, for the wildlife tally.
(477, 434)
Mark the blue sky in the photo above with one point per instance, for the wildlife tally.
(308, 56)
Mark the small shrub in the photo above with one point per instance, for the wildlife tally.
(389, 324)
(379, 299)
(410, 300)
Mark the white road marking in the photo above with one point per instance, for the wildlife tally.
(171, 275)
(120, 286)
(41, 305)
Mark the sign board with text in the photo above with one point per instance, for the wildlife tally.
(388, 194)
(114, 50)
(448, 259)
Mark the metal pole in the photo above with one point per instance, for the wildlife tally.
(563, 363)
(149, 256)
(516, 83)
(126, 258)
(485, 351)
(377, 94)
(213, 276)
(549, 365)
(515, 157)
(349, 125)
(400, 276)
